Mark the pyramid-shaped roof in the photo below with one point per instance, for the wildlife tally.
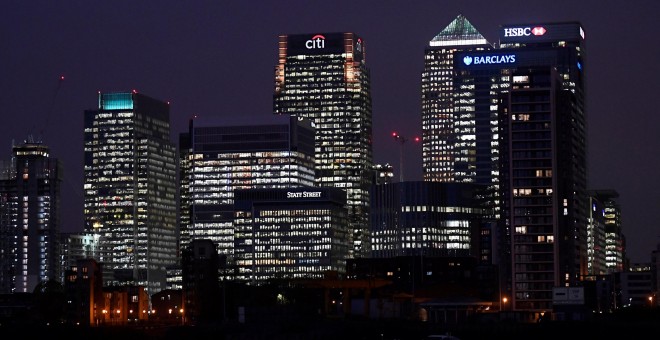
(459, 32)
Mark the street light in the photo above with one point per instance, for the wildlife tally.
(504, 301)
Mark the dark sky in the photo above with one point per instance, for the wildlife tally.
(217, 58)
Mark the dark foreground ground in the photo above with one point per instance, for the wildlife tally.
(626, 327)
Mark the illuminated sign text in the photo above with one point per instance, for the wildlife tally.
(489, 59)
(303, 194)
(524, 31)
(317, 41)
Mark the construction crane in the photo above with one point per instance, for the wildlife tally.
(49, 111)
(401, 140)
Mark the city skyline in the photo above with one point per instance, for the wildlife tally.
(191, 56)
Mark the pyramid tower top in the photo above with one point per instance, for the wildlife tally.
(459, 32)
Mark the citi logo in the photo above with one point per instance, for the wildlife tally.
(524, 31)
(317, 41)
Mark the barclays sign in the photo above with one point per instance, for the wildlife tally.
(489, 59)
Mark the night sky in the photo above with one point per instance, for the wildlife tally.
(217, 58)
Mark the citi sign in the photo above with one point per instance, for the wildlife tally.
(524, 31)
(317, 41)
(489, 59)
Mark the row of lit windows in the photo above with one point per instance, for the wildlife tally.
(297, 213)
(442, 209)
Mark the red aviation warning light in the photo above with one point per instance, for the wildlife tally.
(401, 140)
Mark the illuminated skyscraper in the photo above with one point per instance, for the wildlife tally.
(29, 218)
(457, 143)
(218, 157)
(542, 127)
(130, 188)
(324, 77)
(512, 118)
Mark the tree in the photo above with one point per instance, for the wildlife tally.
(49, 302)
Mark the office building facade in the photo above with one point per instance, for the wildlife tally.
(298, 233)
(427, 218)
(544, 181)
(130, 188)
(29, 218)
(219, 157)
(77, 246)
(324, 77)
(451, 119)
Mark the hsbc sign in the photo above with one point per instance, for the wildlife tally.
(524, 31)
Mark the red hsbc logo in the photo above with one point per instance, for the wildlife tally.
(538, 30)
(317, 41)
(524, 31)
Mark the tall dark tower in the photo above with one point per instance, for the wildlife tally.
(130, 187)
(29, 218)
(542, 124)
(324, 77)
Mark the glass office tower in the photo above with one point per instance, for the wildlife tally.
(324, 77)
(218, 156)
(29, 218)
(518, 126)
(130, 188)
(451, 119)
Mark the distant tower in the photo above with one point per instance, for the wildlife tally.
(29, 218)
(596, 237)
(614, 239)
(324, 77)
(130, 187)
